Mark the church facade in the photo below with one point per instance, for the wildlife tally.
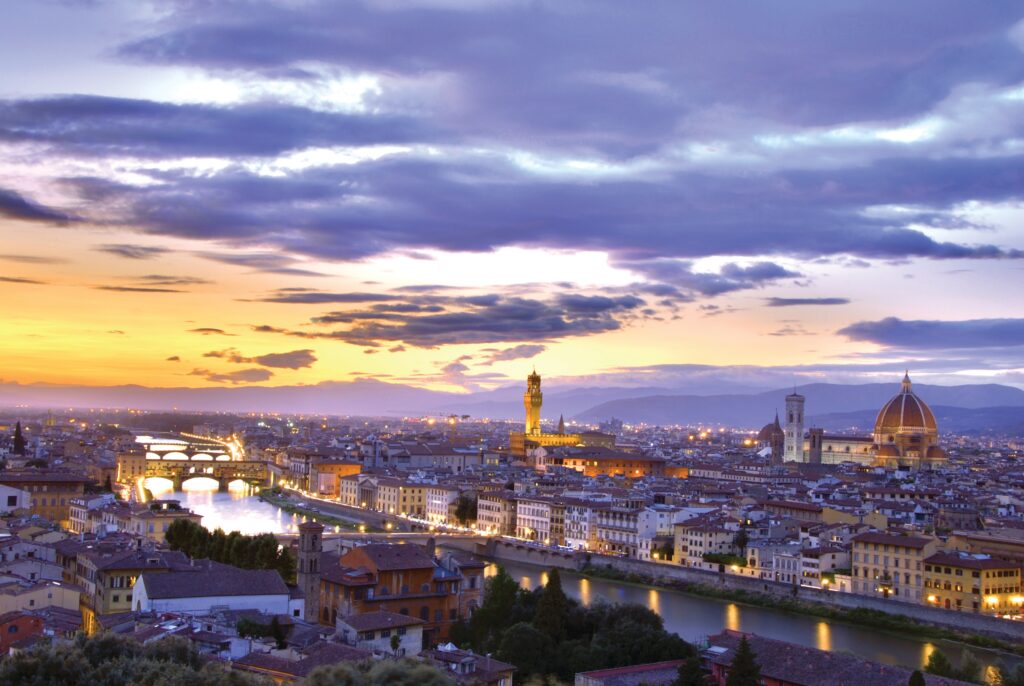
(905, 435)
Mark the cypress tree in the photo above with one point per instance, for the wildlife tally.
(744, 670)
(690, 673)
(19, 440)
(916, 679)
(552, 608)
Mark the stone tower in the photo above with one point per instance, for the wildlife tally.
(308, 569)
(532, 400)
(794, 428)
(778, 442)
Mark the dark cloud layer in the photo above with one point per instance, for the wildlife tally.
(241, 376)
(295, 359)
(13, 205)
(796, 302)
(429, 321)
(132, 252)
(937, 334)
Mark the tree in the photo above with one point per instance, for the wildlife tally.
(969, 669)
(38, 463)
(1010, 676)
(494, 614)
(19, 440)
(465, 509)
(107, 485)
(277, 633)
(744, 670)
(527, 648)
(740, 541)
(916, 679)
(378, 673)
(396, 641)
(939, 665)
(552, 608)
(690, 673)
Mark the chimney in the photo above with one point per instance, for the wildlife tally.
(430, 547)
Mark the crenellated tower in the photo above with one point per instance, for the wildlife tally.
(532, 400)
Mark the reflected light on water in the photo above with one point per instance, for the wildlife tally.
(543, 578)
(235, 510)
(823, 637)
(732, 616)
(654, 600)
(585, 591)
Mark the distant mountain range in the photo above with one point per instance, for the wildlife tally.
(839, 404)
(833, 406)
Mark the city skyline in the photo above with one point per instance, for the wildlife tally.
(444, 193)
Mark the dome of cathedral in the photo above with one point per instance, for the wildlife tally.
(770, 429)
(905, 414)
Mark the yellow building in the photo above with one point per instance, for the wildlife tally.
(51, 491)
(891, 565)
(19, 595)
(107, 579)
(131, 466)
(972, 583)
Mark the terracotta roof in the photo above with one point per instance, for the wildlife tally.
(393, 556)
(802, 666)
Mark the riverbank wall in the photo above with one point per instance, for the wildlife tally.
(671, 576)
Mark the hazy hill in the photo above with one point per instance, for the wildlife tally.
(822, 399)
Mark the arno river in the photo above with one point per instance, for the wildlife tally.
(692, 617)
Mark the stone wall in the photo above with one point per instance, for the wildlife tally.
(665, 573)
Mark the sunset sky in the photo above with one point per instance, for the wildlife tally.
(447, 192)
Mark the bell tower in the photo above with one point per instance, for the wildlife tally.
(532, 400)
(311, 535)
(794, 428)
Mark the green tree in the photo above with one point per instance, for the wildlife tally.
(744, 670)
(527, 648)
(690, 673)
(552, 608)
(465, 509)
(969, 669)
(277, 633)
(493, 616)
(740, 540)
(1009, 676)
(379, 673)
(939, 665)
(916, 679)
(396, 641)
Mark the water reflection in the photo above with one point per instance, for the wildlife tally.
(236, 510)
(824, 637)
(695, 618)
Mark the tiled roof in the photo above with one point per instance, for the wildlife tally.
(802, 666)
(221, 581)
(373, 621)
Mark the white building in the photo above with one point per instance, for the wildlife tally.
(12, 499)
(533, 519)
(376, 630)
(213, 585)
(439, 498)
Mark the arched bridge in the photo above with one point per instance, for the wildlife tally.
(255, 473)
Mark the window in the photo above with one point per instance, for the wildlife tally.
(12, 629)
(401, 631)
(386, 633)
(425, 613)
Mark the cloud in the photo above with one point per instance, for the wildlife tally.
(33, 259)
(173, 358)
(268, 263)
(730, 277)
(319, 298)
(236, 377)
(18, 279)
(795, 302)
(137, 289)
(518, 352)
(436, 320)
(296, 359)
(938, 334)
(210, 331)
(132, 252)
(88, 125)
(166, 280)
(13, 205)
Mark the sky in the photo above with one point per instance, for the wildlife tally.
(446, 193)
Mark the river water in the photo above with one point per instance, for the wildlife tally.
(692, 617)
